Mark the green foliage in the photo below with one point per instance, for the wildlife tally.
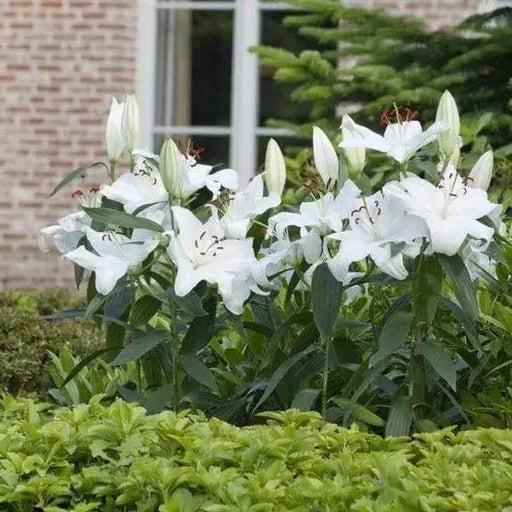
(26, 338)
(115, 458)
(368, 60)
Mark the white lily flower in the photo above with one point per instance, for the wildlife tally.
(275, 168)
(141, 187)
(323, 215)
(400, 140)
(245, 206)
(356, 157)
(451, 210)
(379, 226)
(66, 234)
(326, 160)
(481, 173)
(448, 114)
(113, 133)
(196, 176)
(130, 123)
(115, 255)
(202, 252)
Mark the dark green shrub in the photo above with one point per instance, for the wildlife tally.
(115, 458)
(26, 338)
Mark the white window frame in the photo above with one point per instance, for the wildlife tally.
(244, 129)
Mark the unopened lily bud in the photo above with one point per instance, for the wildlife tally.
(113, 135)
(326, 159)
(480, 175)
(171, 168)
(275, 168)
(130, 125)
(448, 114)
(356, 157)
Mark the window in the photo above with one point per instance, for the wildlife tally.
(197, 79)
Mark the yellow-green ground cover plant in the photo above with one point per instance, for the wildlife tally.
(116, 458)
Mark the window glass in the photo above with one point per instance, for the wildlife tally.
(194, 57)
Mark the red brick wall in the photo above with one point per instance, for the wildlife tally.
(60, 61)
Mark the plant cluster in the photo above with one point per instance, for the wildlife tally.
(187, 275)
(95, 458)
(26, 338)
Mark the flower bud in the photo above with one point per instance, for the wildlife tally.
(275, 168)
(448, 114)
(113, 135)
(326, 159)
(480, 175)
(356, 157)
(171, 168)
(130, 125)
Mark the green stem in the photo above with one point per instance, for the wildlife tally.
(175, 354)
(112, 172)
(417, 375)
(325, 377)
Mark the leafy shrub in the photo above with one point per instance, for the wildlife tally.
(26, 338)
(97, 458)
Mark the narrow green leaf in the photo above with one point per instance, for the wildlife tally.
(189, 304)
(115, 336)
(157, 401)
(62, 315)
(440, 360)
(122, 219)
(196, 369)
(144, 309)
(140, 346)
(118, 301)
(400, 417)
(463, 287)
(259, 328)
(325, 299)
(467, 324)
(359, 412)
(279, 374)
(393, 335)
(84, 362)
(130, 395)
(201, 329)
(73, 175)
(305, 399)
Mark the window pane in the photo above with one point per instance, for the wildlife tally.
(215, 148)
(193, 78)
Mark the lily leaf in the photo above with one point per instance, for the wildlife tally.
(140, 346)
(122, 219)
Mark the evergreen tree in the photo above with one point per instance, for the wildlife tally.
(368, 60)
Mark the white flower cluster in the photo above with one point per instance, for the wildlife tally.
(340, 226)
